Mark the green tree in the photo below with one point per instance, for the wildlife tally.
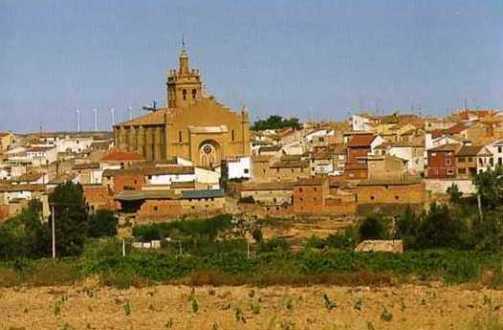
(439, 229)
(490, 187)
(25, 235)
(70, 212)
(406, 227)
(102, 224)
(276, 122)
(454, 194)
(372, 227)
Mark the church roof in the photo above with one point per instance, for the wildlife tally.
(152, 118)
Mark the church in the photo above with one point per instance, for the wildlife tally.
(192, 126)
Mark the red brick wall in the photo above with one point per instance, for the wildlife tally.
(4, 212)
(160, 209)
(308, 198)
(441, 164)
(99, 197)
(391, 194)
(128, 182)
(355, 152)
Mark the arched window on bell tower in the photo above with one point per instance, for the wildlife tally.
(184, 94)
(194, 93)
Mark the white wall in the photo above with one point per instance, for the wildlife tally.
(239, 169)
(440, 185)
(73, 144)
(496, 149)
(167, 179)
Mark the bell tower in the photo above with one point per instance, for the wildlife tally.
(184, 85)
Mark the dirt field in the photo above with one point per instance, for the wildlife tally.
(89, 306)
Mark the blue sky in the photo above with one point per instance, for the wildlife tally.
(311, 59)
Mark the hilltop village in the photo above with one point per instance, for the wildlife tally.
(195, 157)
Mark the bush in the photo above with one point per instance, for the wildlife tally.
(273, 245)
(102, 224)
(439, 229)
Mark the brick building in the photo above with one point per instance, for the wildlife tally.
(442, 161)
(404, 191)
(471, 160)
(312, 196)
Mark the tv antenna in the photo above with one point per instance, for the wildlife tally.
(152, 108)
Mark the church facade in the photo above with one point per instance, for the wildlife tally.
(193, 125)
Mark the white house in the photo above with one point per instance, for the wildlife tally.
(496, 149)
(40, 156)
(167, 175)
(209, 178)
(412, 153)
(237, 168)
(361, 123)
(318, 136)
(74, 144)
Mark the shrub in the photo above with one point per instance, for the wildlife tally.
(102, 224)
(273, 245)
(439, 229)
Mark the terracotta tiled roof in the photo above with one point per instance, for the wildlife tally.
(361, 140)
(152, 118)
(446, 147)
(469, 151)
(22, 187)
(39, 149)
(85, 166)
(457, 129)
(265, 186)
(261, 158)
(290, 164)
(28, 177)
(383, 182)
(273, 148)
(165, 170)
(119, 155)
(312, 181)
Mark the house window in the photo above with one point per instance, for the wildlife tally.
(184, 94)
(462, 171)
(397, 198)
(450, 172)
(246, 171)
(447, 161)
(500, 149)
(372, 197)
(233, 135)
(470, 159)
(315, 189)
(194, 93)
(156, 208)
(500, 161)
(180, 136)
(461, 159)
(300, 189)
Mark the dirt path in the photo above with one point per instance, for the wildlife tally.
(178, 307)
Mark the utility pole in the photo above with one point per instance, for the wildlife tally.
(53, 231)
